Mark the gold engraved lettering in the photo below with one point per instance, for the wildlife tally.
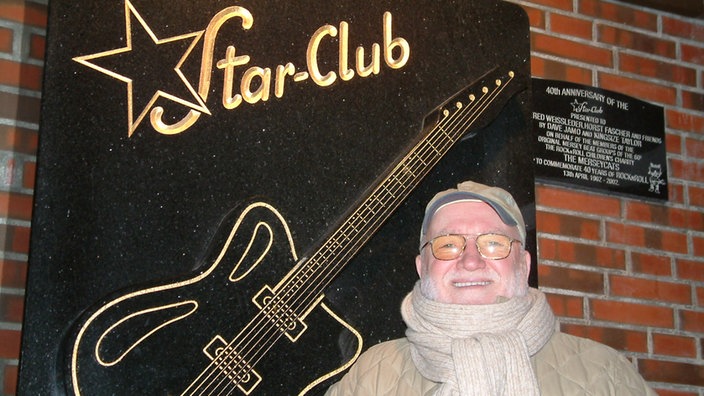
(389, 45)
(281, 73)
(211, 33)
(255, 83)
(155, 117)
(346, 73)
(312, 56)
(373, 67)
(229, 63)
(262, 92)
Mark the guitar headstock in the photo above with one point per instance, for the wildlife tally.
(489, 94)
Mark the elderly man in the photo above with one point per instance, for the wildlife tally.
(475, 327)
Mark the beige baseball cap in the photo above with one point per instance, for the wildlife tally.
(499, 199)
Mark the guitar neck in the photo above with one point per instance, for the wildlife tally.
(477, 104)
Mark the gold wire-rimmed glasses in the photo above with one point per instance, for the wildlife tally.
(491, 246)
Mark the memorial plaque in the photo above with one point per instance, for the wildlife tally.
(599, 139)
(229, 194)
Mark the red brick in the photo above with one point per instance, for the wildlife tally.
(692, 320)
(646, 237)
(663, 215)
(700, 296)
(10, 345)
(37, 47)
(631, 313)
(676, 192)
(692, 54)
(688, 170)
(696, 196)
(671, 372)
(550, 69)
(578, 201)
(684, 121)
(21, 75)
(627, 286)
(13, 274)
(694, 147)
(636, 41)
(570, 279)
(18, 239)
(16, 206)
(28, 13)
(535, 16)
(6, 40)
(11, 308)
(698, 243)
(29, 175)
(567, 25)
(692, 100)
(619, 14)
(19, 107)
(10, 385)
(18, 139)
(651, 264)
(639, 211)
(666, 240)
(565, 5)
(673, 345)
(576, 253)
(567, 225)
(565, 306)
(682, 28)
(5, 235)
(644, 90)
(620, 339)
(568, 49)
(658, 69)
(673, 143)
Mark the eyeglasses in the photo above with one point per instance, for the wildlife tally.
(490, 246)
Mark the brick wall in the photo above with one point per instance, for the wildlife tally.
(22, 34)
(622, 271)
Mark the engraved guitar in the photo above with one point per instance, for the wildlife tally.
(246, 323)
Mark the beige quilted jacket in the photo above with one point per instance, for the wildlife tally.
(567, 365)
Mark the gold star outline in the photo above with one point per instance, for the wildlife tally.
(196, 103)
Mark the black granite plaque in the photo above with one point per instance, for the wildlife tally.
(195, 154)
(599, 139)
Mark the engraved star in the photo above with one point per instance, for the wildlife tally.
(576, 105)
(142, 72)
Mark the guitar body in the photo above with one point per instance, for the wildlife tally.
(163, 339)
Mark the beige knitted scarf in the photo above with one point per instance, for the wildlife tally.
(478, 349)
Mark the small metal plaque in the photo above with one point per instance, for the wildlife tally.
(599, 139)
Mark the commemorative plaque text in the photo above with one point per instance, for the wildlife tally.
(599, 139)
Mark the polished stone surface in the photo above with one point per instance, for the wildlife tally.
(120, 206)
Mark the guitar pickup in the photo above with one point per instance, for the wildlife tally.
(279, 313)
(236, 369)
(214, 347)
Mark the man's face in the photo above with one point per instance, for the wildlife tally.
(471, 278)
